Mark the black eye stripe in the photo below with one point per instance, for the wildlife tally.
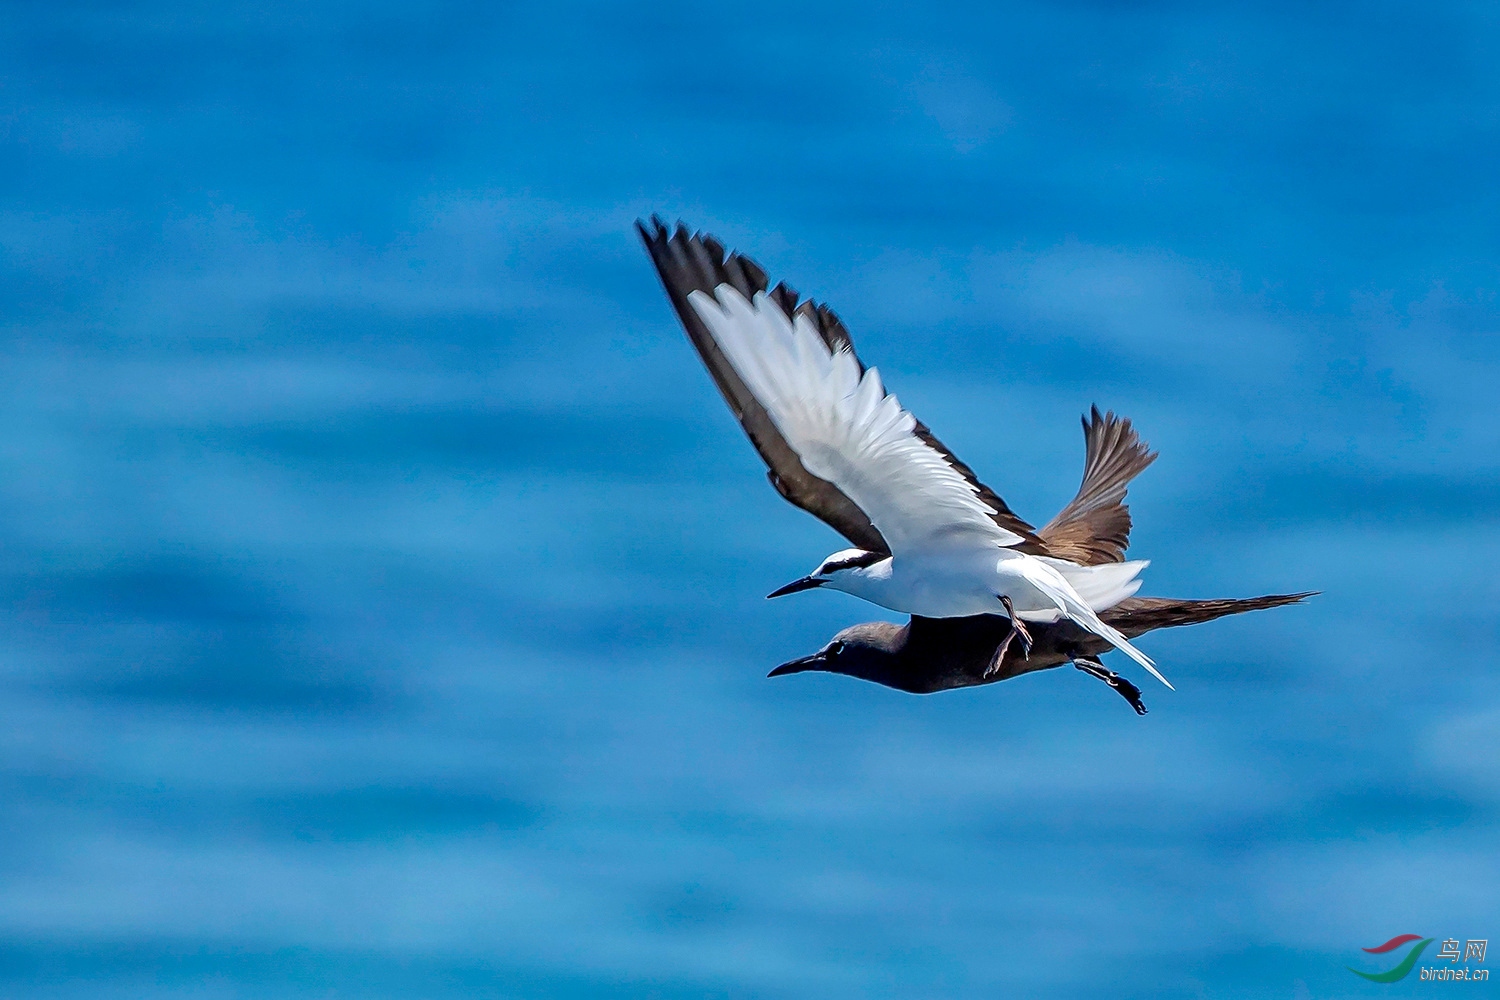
(853, 562)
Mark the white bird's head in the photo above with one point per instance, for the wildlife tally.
(846, 570)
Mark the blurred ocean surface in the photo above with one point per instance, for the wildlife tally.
(383, 578)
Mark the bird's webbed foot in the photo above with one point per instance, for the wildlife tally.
(1017, 631)
(1127, 690)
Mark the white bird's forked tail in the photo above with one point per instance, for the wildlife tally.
(1104, 585)
(1073, 607)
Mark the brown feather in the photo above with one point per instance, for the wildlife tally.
(1138, 615)
(1094, 527)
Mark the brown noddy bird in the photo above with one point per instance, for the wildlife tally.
(927, 655)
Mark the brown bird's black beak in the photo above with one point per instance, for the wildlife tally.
(817, 661)
(806, 583)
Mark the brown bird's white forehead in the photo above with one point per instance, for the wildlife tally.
(856, 561)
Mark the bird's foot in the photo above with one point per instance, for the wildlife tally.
(998, 658)
(1127, 690)
(1017, 630)
(1017, 627)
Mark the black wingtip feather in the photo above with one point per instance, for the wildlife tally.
(785, 296)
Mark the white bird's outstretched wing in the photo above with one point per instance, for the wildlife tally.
(846, 429)
(696, 262)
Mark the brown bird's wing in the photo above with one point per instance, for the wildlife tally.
(1094, 527)
(1137, 615)
(697, 262)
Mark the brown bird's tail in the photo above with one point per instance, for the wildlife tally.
(1138, 615)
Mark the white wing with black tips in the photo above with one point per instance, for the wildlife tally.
(695, 268)
(698, 263)
(844, 426)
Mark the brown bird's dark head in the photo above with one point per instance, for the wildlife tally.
(870, 651)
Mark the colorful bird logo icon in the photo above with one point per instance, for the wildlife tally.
(1400, 971)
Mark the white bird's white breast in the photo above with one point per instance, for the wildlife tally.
(955, 582)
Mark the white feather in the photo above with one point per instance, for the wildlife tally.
(844, 426)
(1046, 579)
(1102, 586)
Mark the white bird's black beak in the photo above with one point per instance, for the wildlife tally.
(806, 583)
(817, 661)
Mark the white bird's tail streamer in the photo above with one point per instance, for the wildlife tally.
(1073, 607)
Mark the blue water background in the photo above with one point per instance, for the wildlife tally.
(383, 578)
